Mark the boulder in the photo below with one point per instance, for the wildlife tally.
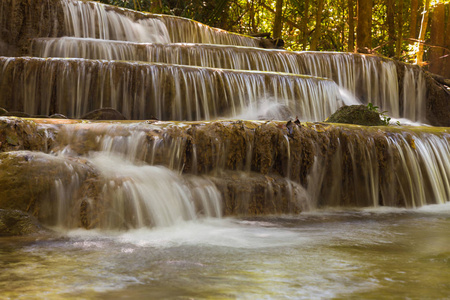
(18, 223)
(356, 114)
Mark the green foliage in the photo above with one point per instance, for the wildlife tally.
(384, 118)
(257, 16)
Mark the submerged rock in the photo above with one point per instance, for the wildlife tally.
(356, 114)
(104, 114)
(17, 223)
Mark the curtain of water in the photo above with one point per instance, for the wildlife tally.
(96, 20)
(369, 78)
(398, 169)
(339, 166)
(74, 87)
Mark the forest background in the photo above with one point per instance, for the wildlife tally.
(414, 31)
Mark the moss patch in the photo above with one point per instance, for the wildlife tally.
(356, 114)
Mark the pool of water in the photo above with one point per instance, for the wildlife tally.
(340, 254)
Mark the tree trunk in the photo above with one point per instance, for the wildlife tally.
(364, 25)
(437, 35)
(423, 29)
(390, 20)
(413, 20)
(251, 8)
(351, 27)
(398, 47)
(304, 25)
(278, 22)
(317, 30)
(446, 60)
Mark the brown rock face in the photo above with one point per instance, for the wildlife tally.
(19, 134)
(30, 181)
(251, 194)
(17, 223)
(21, 21)
(438, 102)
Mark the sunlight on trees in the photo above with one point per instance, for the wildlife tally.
(395, 28)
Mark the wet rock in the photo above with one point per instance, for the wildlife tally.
(18, 114)
(25, 20)
(356, 114)
(39, 117)
(438, 102)
(250, 194)
(17, 223)
(34, 181)
(2, 111)
(104, 114)
(58, 116)
(18, 134)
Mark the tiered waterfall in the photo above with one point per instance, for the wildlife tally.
(199, 158)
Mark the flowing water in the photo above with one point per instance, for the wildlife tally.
(217, 210)
(329, 254)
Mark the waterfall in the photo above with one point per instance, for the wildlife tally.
(186, 164)
(369, 78)
(136, 196)
(350, 166)
(74, 87)
(96, 20)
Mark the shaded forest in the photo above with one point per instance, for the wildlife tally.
(415, 31)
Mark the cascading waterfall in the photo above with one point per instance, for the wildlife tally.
(339, 165)
(126, 192)
(152, 173)
(93, 20)
(370, 78)
(74, 87)
(96, 20)
(136, 206)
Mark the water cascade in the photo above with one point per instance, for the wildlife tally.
(370, 78)
(174, 69)
(210, 188)
(95, 20)
(74, 87)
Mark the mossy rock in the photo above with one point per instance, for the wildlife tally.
(18, 223)
(356, 114)
(2, 111)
